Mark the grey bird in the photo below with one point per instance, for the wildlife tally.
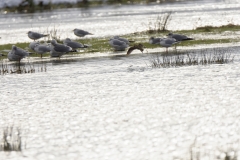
(42, 48)
(153, 40)
(118, 45)
(16, 54)
(81, 33)
(167, 42)
(179, 37)
(74, 45)
(33, 44)
(122, 39)
(34, 35)
(57, 50)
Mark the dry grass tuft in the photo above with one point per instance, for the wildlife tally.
(202, 57)
(11, 139)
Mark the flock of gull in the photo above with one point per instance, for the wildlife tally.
(57, 49)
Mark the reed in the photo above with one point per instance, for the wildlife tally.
(54, 33)
(201, 57)
(160, 24)
(15, 68)
(11, 139)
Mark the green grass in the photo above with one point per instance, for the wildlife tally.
(102, 45)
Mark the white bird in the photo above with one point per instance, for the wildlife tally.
(42, 48)
(167, 42)
(74, 45)
(16, 54)
(179, 37)
(118, 45)
(81, 33)
(57, 50)
(33, 44)
(34, 35)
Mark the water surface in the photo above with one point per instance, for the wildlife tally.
(118, 20)
(117, 107)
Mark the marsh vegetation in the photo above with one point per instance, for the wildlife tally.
(11, 139)
(192, 57)
(102, 45)
(21, 68)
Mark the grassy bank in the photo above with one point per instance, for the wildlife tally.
(102, 45)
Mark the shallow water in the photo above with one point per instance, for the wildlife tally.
(109, 106)
(117, 107)
(118, 20)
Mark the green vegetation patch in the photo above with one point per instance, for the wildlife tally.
(102, 44)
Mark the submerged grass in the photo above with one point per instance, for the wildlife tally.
(22, 68)
(201, 57)
(11, 139)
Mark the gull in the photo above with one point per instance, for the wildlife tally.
(118, 45)
(153, 40)
(122, 39)
(139, 47)
(74, 45)
(81, 33)
(33, 44)
(167, 42)
(34, 35)
(57, 50)
(16, 54)
(179, 37)
(42, 48)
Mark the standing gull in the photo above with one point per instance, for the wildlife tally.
(81, 33)
(179, 37)
(118, 45)
(16, 54)
(153, 40)
(122, 39)
(167, 42)
(42, 48)
(33, 44)
(57, 50)
(74, 45)
(34, 35)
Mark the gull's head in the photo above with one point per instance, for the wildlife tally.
(53, 42)
(75, 29)
(161, 39)
(115, 37)
(68, 40)
(14, 47)
(170, 34)
(29, 32)
(151, 40)
(36, 44)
